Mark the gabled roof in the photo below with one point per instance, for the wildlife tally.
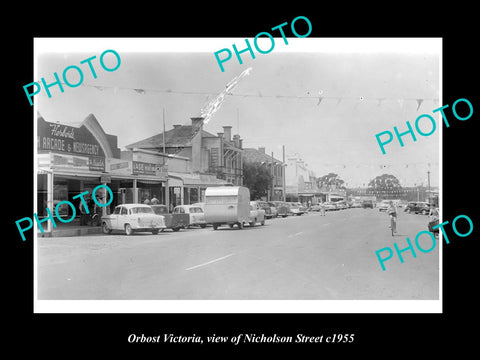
(176, 137)
(254, 155)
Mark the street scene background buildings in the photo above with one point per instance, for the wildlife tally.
(323, 108)
(301, 115)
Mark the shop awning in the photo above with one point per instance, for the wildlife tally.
(198, 179)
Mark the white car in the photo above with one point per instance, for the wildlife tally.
(383, 206)
(131, 218)
(257, 214)
(197, 216)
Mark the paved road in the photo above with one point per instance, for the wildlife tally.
(301, 257)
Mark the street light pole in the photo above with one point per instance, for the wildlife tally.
(429, 193)
(273, 179)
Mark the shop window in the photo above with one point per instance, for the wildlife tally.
(60, 193)
(194, 196)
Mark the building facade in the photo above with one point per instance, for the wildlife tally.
(218, 155)
(300, 181)
(276, 190)
(75, 159)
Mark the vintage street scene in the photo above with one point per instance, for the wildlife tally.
(266, 181)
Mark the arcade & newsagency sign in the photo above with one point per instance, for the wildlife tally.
(81, 146)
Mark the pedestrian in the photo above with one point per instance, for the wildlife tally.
(433, 217)
(154, 200)
(322, 209)
(146, 201)
(392, 213)
(91, 206)
(83, 214)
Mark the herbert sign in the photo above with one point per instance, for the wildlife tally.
(72, 146)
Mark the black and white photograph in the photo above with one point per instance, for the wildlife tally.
(212, 175)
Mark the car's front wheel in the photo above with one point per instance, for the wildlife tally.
(105, 228)
(128, 229)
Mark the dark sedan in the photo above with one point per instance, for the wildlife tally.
(418, 208)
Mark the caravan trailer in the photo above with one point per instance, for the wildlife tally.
(227, 205)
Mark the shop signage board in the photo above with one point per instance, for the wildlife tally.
(67, 161)
(71, 147)
(143, 168)
(127, 167)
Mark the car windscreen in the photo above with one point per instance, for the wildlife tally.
(160, 209)
(141, 210)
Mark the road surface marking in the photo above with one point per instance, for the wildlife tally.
(209, 262)
(301, 232)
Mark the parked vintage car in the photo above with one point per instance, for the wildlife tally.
(330, 206)
(419, 207)
(316, 207)
(131, 218)
(297, 208)
(196, 214)
(200, 204)
(282, 208)
(367, 204)
(173, 221)
(383, 205)
(257, 214)
(268, 211)
(273, 209)
(341, 205)
(227, 205)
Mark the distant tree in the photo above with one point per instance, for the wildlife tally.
(257, 178)
(330, 180)
(385, 186)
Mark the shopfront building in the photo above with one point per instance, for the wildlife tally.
(70, 160)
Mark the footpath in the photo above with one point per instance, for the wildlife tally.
(72, 228)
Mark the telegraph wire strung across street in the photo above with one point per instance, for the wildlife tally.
(320, 98)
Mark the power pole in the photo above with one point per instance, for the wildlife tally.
(273, 179)
(283, 175)
(429, 193)
(167, 188)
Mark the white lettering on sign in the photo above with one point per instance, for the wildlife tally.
(56, 131)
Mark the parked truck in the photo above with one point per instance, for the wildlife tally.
(227, 205)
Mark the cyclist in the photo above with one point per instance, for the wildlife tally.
(433, 217)
(392, 212)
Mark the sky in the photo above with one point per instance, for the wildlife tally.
(324, 99)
